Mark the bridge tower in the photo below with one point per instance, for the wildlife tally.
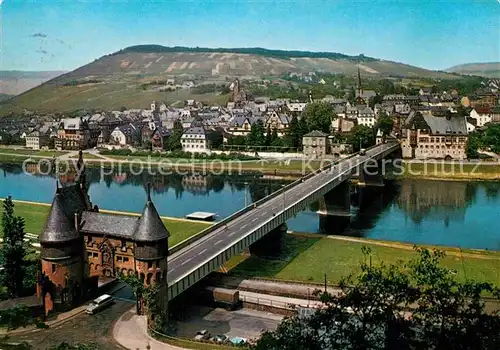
(335, 209)
(60, 283)
(150, 255)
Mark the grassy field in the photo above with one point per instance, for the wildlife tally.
(307, 259)
(36, 214)
(294, 166)
(452, 171)
(113, 95)
(41, 153)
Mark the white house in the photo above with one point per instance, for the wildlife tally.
(481, 115)
(195, 139)
(296, 107)
(366, 121)
(124, 135)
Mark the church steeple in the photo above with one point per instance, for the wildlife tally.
(359, 89)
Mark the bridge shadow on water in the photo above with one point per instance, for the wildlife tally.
(368, 204)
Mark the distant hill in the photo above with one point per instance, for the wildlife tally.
(489, 69)
(13, 82)
(135, 76)
(4, 97)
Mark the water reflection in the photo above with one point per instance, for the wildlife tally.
(448, 213)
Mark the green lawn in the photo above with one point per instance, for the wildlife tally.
(41, 153)
(452, 171)
(254, 165)
(308, 259)
(35, 216)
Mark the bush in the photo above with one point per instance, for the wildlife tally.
(178, 154)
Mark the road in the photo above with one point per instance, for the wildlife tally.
(192, 256)
(83, 329)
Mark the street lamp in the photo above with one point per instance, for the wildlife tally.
(246, 184)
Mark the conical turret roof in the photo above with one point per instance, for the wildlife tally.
(58, 227)
(150, 228)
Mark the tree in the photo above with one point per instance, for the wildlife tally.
(13, 249)
(17, 317)
(274, 136)
(256, 135)
(268, 138)
(303, 129)
(174, 141)
(147, 296)
(385, 124)
(352, 95)
(318, 116)
(361, 136)
(377, 99)
(473, 145)
(413, 305)
(293, 134)
(216, 139)
(491, 137)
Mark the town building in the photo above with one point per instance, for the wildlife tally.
(127, 134)
(160, 138)
(426, 136)
(278, 122)
(195, 139)
(81, 246)
(240, 125)
(38, 139)
(482, 115)
(315, 144)
(75, 134)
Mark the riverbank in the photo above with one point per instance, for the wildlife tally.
(308, 257)
(35, 215)
(282, 169)
(451, 171)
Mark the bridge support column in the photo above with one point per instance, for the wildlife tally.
(371, 174)
(370, 198)
(335, 209)
(271, 244)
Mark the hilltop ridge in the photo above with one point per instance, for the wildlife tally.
(284, 54)
(136, 75)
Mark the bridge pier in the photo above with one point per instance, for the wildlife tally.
(335, 209)
(370, 197)
(371, 174)
(271, 244)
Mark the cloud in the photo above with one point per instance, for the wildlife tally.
(38, 35)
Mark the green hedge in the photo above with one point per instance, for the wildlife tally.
(178, 154)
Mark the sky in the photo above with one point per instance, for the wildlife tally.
(65, 34)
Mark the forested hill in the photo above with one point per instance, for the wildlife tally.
(283, 54)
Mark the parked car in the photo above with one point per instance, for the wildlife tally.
(239, 341)
(220, 338)
(362, 152)
(202, 335)
(98, 304)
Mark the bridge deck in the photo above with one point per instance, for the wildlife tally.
(193, 256)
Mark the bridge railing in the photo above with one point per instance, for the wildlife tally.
(240, 212)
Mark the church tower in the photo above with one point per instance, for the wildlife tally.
(62, 276)
(151, 250)
(359, 89)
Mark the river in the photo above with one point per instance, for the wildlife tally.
(448, 213)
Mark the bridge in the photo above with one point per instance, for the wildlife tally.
(261, 223)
